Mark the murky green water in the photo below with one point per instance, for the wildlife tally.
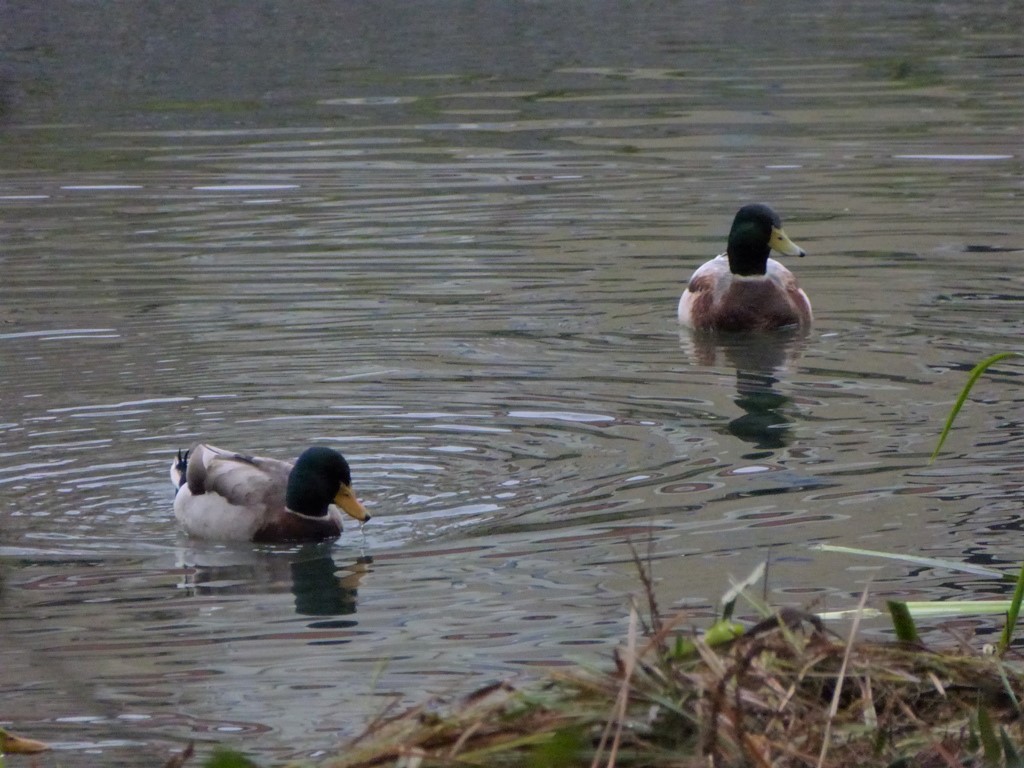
(450, 239)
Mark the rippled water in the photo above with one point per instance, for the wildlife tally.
(455, 251)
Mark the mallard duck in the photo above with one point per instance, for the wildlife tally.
(743, 289)
(230, 496)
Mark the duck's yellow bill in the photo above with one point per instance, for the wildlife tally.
(781, 243)
(349, 504)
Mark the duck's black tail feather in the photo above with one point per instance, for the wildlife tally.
(180, 468)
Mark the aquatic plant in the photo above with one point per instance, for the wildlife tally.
(975, 374)
(1013, 610)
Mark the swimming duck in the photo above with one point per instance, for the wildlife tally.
(230, 496)
(743, 289)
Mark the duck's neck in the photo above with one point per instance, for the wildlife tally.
(307, 494)
(748, 247)
(748, 261)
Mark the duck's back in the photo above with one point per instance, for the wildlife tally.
(227, 495)
(251, 481)
(754, 305)
(721, 301)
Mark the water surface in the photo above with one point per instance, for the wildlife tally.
(451, 241)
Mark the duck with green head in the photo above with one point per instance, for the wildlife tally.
(743, 289)
(234, 497)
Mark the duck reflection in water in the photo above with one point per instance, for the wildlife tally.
(321, 587)
(757, 357)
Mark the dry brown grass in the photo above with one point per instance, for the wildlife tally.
(785, 693)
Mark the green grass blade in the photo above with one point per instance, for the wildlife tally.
(927, 610)
(990, 746)
(729, 598)
(979, 369)
(928, 562)
(1008, 690)
(223, 757)
(564, 747)
(906, 630)
(1011, 756)
(1013, 613)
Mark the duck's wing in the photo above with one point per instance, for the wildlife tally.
(252, 482)
(709, 273)
(709, 280)
(787, 281)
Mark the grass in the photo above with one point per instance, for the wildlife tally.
(781, 691)
(787, 692)
(975, 374)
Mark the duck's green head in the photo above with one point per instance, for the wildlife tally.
(756, 230)
(321, 476)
